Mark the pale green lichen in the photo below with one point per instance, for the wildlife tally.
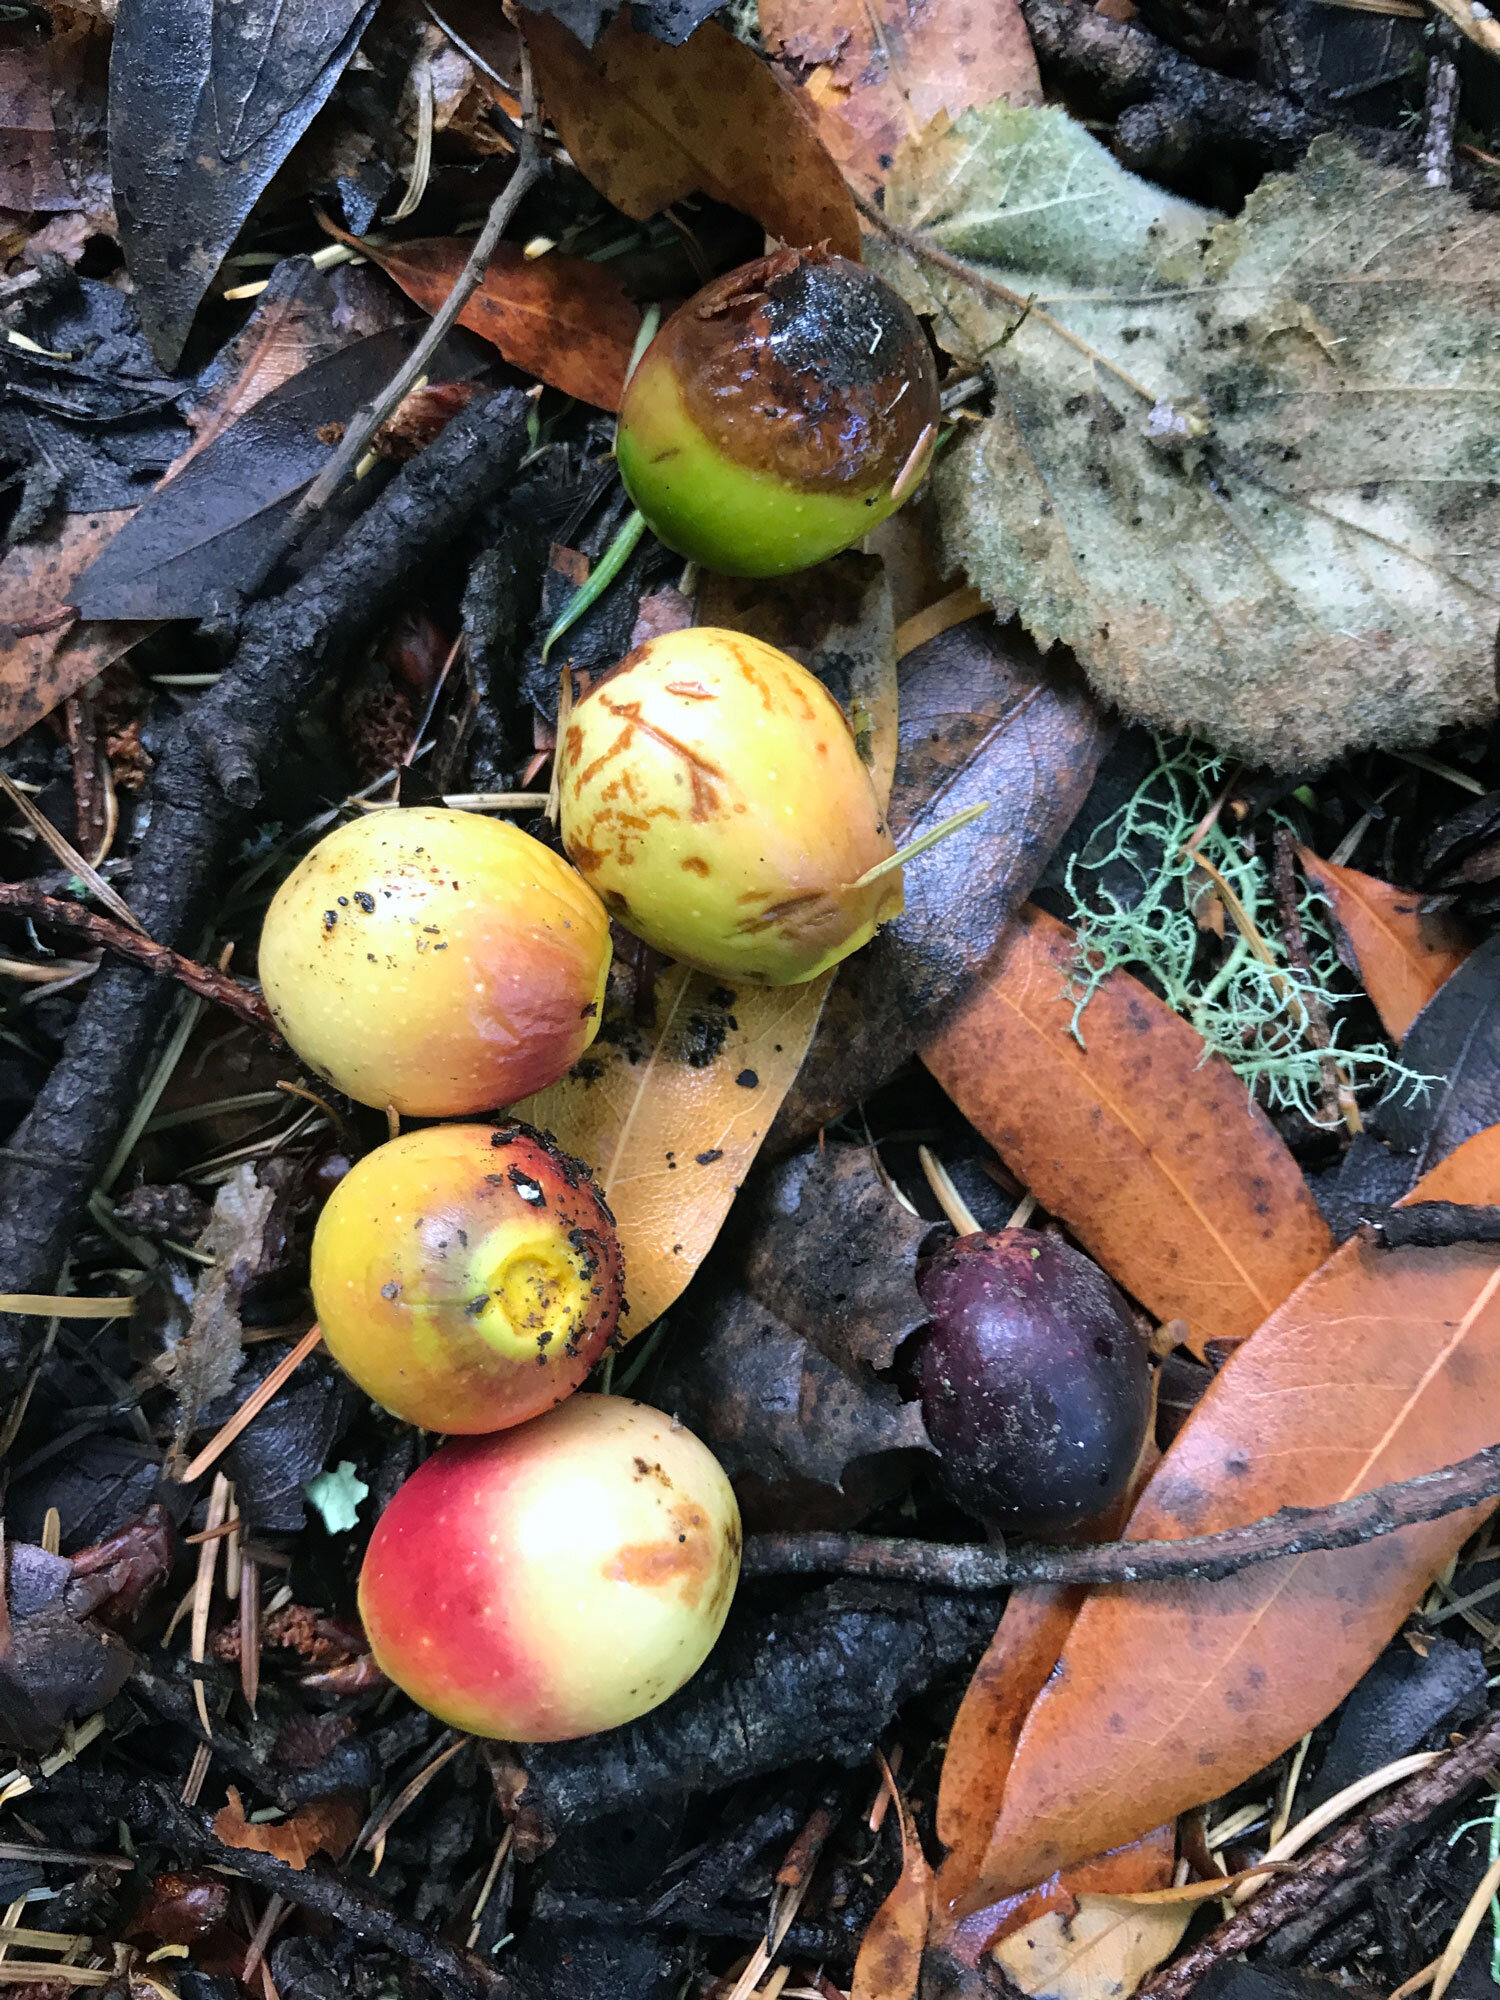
(1145, 919)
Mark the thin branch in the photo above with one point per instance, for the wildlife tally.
(1430, 1225)
(528, 170)
(1294, 1895)
(1293, 1531)
(205, 980)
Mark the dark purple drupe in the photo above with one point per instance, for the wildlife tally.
(1034, 1381)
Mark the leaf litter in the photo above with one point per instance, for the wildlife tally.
(1264, 520)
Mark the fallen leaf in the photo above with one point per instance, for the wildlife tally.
(877, 72)
(771, 1405)
(1159, 1162)
(1102, 1952)
(563, 318)
(1251, 481)
(673, 1101)
(46, 654)
(1455, 1040)
(1400, 954)
(859, 1303)
(205, 103)
(669, 1117)
(56, 1667)
(31, 174)
(983, 717)
(325, 1826)
(201, 538)
(669, 20)
(889, 1965)
(1381, 1367)
(649, 125)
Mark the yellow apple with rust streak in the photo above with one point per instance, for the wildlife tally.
(435, 961)
(779, 415)
(555, 1579)
(712, 793)
(467, 1277)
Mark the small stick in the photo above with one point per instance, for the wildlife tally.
(1293, 1531)
(528, 170)
(203, 980)
(947, 1196)
(1430, 1225)
(1417, 1800)
(1435, 159)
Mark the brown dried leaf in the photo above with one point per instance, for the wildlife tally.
(1383, 1366)
(877, 72)
(46, 654)
(564, 319)
(771, 1405)
(204, 1362)
(1158, 1161)
(650, 124)
(1401, 955)
(833, 1252)
(325, 1826)
(889, 1964)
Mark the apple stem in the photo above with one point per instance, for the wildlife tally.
(921, 844)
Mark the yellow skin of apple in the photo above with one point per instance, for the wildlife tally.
(712, 793)
(466, 1278)
(435, 961)
(555, 1579)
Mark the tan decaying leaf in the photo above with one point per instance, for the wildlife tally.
(889, 1965)
(650, 125)
(1384, 1365)
(671, 1116)
(1248, 470)
(326, 1826)
(205, 1361)
(1158, 1161)
(1401, 954)
(1102, 1952)
(45, 653)
(877, 72)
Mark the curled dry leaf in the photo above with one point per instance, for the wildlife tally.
(672, 1102)
(889, 1965)
(326, 1826)
(649, 125)
(877, 72)
(1400, 953)
(983, 718)
(1101, 1952)
(1384, 1365)
(1158, 1161)
(562, 318)
(859, 1303)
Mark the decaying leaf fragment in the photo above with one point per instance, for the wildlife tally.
(326, 1826)
(1382, 1366)
(889, 1965)
(1254, 481)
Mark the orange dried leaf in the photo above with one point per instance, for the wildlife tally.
(563, 318)
(650, 125)
(1158, 1161)
(1401, 955)
(889, 1964)
(326, 1826)
(1384, 1365)
(1101, 1952)
(46, 654)
(877, 72)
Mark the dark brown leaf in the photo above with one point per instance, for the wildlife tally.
(983, 717)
